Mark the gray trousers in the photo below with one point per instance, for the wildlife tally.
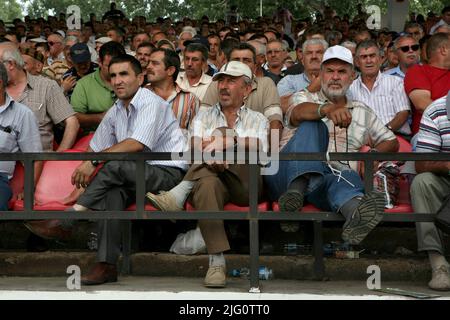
(428, 191)
(114, 188)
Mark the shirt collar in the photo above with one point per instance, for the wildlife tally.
(100, 80)
(203, 79)
(31, 80)
(395, 71)
(134, 101)
(379, 76)
(242, 109)
(8, 103)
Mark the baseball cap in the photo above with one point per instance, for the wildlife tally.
(79, 53)
(234, 69)
(338, 52)
(103, 40)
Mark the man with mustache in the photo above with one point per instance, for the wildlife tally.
(193, 79)
(326, 121)
(228, 124)
(139, 121)
(384, 94)
(162, 71)
(407, 49)
(313, 50)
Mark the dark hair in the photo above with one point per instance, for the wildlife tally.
(436, 41)
(193, 47)
(146, 44)
(135, 64)
(227, 45)
(257, 36)
(445, 9)
(111, 48)
(244, 46)
(367, 44)
(118, 30)
(171, 59)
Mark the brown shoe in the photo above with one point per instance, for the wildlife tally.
(102, 272)
(49, 229)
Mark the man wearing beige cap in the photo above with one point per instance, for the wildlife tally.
(326, 121)
(226, 125)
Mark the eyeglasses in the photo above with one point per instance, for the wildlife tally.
(414, 47)
(51, 43)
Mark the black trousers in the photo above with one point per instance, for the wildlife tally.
(114, 188)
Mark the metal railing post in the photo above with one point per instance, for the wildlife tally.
(28, 187)
(254, 228)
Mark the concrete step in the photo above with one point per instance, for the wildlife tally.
(54, 264)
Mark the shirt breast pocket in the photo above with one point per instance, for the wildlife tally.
(37, 109)
(7, 142)
(358, 138)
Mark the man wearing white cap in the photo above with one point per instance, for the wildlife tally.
(326, 121)
(227, 124)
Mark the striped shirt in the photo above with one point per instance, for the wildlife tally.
(184, 104)
(199, 89)
(387, 98)
(292, 83)
(249, 123)
(18, 132)
(148, 120)
(263, 98)
(56, 70)
(434, 130)
(365, 128)
(46, 99)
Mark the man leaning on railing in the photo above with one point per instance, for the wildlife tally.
(326, 121)
(139, 121)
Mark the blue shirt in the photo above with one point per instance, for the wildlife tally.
(395, 72)
(19, 132)
(148, 120)
(292, 83)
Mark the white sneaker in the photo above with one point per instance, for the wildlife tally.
(440, 279)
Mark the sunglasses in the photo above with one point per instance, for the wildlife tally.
(51, 43)
(414, 47)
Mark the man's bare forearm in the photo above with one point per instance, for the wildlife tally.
(399, 119)
(89, 120)
(437, 167)
(308, 111)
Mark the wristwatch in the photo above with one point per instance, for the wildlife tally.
(95, 163)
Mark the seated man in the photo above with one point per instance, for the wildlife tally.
(18, 133)
(321, 122)
(431, 186)
(139, 121)
(93, 94)
(215, 184)
(384, 94)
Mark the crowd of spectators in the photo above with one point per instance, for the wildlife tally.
(328, 84)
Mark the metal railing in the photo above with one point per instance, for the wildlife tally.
(253, 215)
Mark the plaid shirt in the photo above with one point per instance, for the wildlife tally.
(46, 99)
(365, 128)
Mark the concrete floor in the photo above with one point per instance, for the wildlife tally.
(181, 288)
